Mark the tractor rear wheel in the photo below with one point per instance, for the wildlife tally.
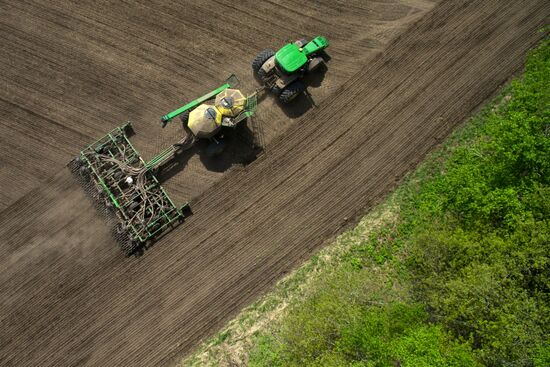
(262, 75)
(315, 63)
(292, 91)
(261, 59)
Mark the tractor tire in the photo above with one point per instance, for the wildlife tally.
(262, 75)
(314, 64)
(291, 92)
(261, 59)
(301, 42)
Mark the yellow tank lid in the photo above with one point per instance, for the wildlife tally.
(230, 102)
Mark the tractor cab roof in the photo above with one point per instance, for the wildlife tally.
(290, 58)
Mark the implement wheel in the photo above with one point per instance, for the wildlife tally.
(84, 172)
(128, 246)
(185, 117)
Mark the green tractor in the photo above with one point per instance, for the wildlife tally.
(281, 71)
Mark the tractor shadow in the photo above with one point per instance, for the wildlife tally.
(304, 102)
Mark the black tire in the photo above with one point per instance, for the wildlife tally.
(261, 59)
(215, 148)
(262, 75)
(292, 91)
(314, 64)
(185, 117)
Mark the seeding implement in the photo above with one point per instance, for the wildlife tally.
(125, 187)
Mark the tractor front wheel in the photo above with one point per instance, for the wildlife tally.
(292, 91)
(261, 59)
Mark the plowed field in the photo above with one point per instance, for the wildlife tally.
(72, 70)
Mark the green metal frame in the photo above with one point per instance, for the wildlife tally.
(231, 82)
(250, 109)
(117, 139)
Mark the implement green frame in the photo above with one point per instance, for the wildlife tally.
(231, 82)
(157, 206)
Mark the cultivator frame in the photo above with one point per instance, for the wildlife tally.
(124, 186)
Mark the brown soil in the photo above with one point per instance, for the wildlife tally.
(69, 297)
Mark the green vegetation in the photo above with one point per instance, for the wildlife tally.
(460, 276)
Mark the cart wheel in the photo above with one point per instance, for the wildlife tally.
(185, 117)
(215, 148)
